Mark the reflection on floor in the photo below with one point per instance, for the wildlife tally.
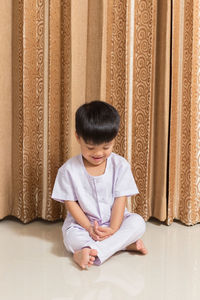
(35, 266)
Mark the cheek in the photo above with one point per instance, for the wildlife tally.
(84, 151)
(108, 152)
(87, 153)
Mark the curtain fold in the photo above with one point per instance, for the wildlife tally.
(116, 68)
(142, 57)
(184, 173)
(147, 103)
(58, 97)
(94, 50)
(41, 105)
(6, 108)
(27, 160)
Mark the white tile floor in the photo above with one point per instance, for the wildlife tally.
(35, 266)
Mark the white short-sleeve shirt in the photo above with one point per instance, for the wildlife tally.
(94, 194)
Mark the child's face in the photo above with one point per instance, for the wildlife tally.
(95, 154)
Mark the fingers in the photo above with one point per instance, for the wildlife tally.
(97, 230)
(99, 233)
(96, 225)
(94, 236)
(103, 229)
(103, 238)
(99, 238)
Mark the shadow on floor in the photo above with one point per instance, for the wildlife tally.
(40, 229)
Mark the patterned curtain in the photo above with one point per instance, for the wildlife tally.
(148, 103)
(184, 164)
(41, 102)
(142, 56)
(162, 99)
(139, 62)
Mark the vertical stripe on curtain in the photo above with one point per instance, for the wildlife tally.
(28, 130)
(147, 102)
(41, 104)
(59, 97)
(184, 175)
(6, 108)
(116, 67)
(94, 50)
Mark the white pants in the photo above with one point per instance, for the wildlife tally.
(132, 229)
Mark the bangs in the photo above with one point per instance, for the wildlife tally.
(97, 122)
(98, 134)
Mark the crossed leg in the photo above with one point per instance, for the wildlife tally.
(88, 252)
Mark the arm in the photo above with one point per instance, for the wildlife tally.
(115, 221)
(78, 214)
(80, 217)
(117, 214)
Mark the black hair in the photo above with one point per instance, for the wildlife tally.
(97, 122)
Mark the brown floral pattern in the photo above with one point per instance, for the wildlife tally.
(185, 178)
(28, 123)
(195, 151)
(59, 97)
(116, 72)
(29, 120)
(184, 166)
(42, 103)
(142, 101)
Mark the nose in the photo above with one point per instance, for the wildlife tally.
(98, 153)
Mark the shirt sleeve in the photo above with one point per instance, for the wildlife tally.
(63, 187)
(125, 184)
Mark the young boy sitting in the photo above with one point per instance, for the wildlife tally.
(94, 187)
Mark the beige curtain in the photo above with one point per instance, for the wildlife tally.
(184, 164)
(148, 101)
(142, 56)
(56, 61)
(163, 104)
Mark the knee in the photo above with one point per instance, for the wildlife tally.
(137, 222)
(71, 241)
(68, 242)
(75, 239)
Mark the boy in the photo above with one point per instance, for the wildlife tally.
(94, 186)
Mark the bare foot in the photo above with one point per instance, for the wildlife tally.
(137, 246)
(85, 257)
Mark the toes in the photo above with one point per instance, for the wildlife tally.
(83, 266)
(93, 252)
(144, 251)
(138, 245)
(91, 261)
(92, 258)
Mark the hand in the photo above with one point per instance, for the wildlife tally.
(93, 234)
(102, 232)
(99, 233)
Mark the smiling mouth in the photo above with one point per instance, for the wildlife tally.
(97, 158)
